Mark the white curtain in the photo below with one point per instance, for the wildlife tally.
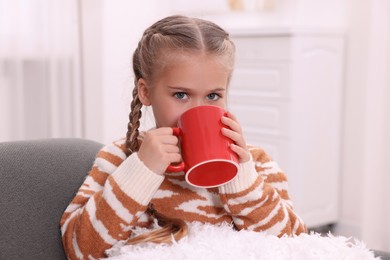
(40, 90)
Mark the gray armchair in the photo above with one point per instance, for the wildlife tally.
(38, 179)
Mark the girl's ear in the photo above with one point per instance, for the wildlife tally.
(143, 92)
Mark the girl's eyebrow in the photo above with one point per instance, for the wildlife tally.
(219, 90)
(184, 89)
(178, 88)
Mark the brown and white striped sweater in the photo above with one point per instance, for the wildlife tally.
(114, 198)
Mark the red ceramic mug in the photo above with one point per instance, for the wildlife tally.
(208, 160)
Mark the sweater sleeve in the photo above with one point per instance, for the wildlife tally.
(112, 200)
(257, 199)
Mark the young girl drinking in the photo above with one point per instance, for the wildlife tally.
(180, 63)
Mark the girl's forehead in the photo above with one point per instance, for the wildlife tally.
(175, 56)
(177, 59)
(193, 76)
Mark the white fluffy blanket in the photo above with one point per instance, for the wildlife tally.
(222, 242)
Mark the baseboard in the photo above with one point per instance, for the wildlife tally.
(323, 229)
(347, 230)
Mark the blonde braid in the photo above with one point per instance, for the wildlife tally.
(135, 107)
(134, 123)
(169, 227)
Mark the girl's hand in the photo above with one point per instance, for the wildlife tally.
(235, 133)
(159, 149)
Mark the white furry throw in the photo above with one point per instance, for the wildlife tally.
(222, 242)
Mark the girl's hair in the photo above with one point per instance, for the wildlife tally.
(167, 37)
(170, 227)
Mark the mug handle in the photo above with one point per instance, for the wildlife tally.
(176, 167)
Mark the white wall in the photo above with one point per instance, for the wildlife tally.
(91, 14)
(365, 202)
(123, 25)
(111, 31)
(312, 13)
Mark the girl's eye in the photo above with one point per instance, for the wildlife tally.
(180, 95)
(213, 96)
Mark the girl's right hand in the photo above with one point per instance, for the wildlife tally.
(159, 149)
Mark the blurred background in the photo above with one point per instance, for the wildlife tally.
(311, 86)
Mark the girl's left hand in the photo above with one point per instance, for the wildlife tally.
(234, 132)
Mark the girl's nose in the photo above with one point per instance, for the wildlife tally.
(198, 102)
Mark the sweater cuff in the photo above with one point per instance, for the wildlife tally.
(245, 178)
(136, 180)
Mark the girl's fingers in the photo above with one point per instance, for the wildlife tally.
(162, 131)
(239, 146)
(159, 149)
(242, 153)
(169, 139)
(234, 132)
(171, 148)
(234, 136)
(232, 123)
(233, 117)
(164, 134)
(175, 157)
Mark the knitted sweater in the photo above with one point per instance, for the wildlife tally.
(114, 197)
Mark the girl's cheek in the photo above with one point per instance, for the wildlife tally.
(175, 120)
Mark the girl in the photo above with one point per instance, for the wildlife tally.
(179, 63)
